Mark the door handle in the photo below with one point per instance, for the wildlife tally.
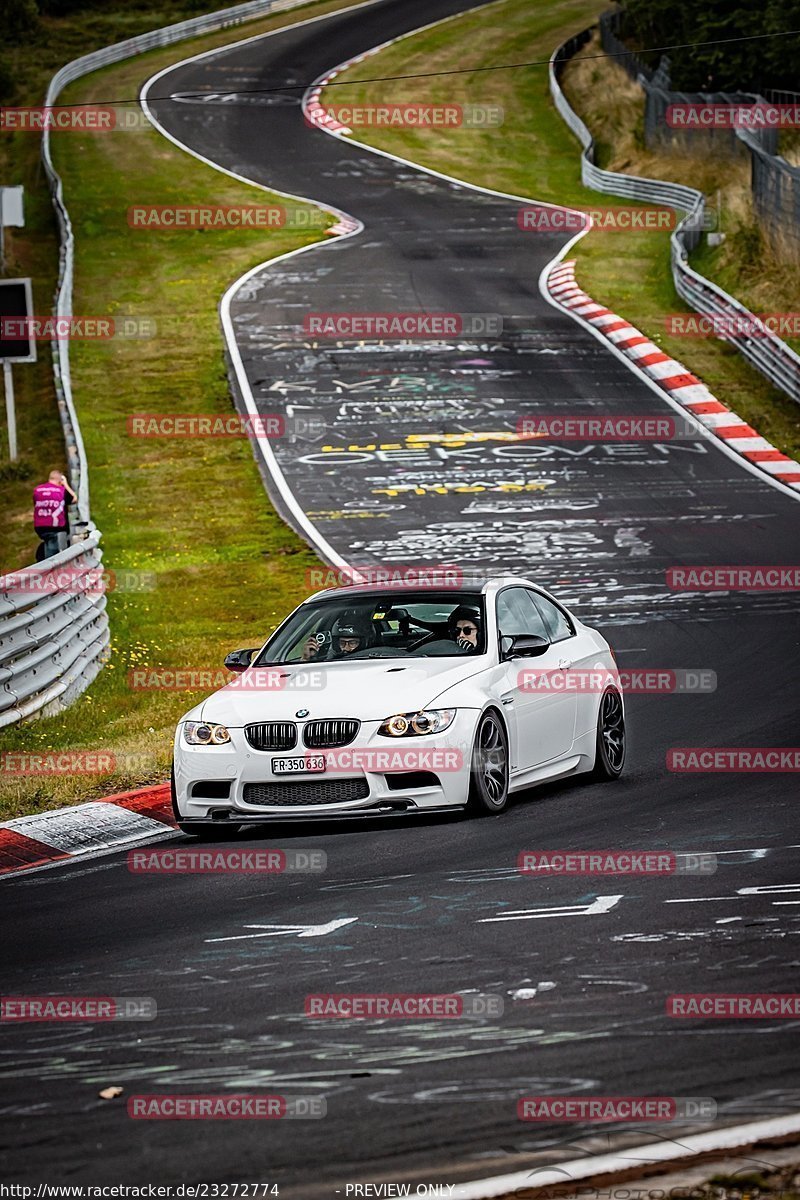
(563, 663)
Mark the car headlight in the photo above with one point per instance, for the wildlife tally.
(203, 733)
(417, 723)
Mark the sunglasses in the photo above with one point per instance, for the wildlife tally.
(466, 629)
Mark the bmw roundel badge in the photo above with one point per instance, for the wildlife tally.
(301, 712)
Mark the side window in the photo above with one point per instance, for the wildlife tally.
(558, 627)
(517, 613)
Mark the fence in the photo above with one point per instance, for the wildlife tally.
(53, 633)
(776, 196)
(767, 353)
(775, 183)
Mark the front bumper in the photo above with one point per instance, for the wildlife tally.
(371, 759)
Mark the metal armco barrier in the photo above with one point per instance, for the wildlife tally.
(768, 353)
(53, 632)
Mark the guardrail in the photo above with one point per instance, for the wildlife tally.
(53, 631)
(774, 182)
(768, 353)
(209, 23)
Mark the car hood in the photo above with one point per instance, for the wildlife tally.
(367, 691)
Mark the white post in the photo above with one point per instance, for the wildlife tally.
(11, 416)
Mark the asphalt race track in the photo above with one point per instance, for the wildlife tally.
(584, 965)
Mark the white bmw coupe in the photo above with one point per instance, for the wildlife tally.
(368, 701)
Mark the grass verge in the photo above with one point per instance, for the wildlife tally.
(535, 155)
(191, 512)
(33, 250)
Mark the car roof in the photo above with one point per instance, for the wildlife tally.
(481, 584)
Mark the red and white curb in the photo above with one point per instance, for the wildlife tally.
(675, 379)
(100, 826)
(313, 109)
(667, 373)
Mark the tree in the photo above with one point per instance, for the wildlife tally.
(19, 19)
(732, 63)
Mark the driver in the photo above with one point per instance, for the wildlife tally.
(464, 625)
(347, 636)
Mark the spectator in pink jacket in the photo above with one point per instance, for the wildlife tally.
(50, 502)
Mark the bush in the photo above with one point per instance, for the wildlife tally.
(19, 20)
(8, 87)
(749, 66)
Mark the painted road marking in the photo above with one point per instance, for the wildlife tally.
(303, 931)
(768, 889)
(602, 904)
(772, 889)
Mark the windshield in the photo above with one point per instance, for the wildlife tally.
(424, 625)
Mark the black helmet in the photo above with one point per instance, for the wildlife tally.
(350, 627)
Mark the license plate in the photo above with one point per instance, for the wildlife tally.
(298, 766)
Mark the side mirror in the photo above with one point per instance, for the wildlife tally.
(239, 660)
(523, 645)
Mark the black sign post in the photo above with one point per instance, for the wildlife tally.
(17, 343)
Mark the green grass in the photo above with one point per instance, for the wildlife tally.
(744, 265)
(191, 511)
(194, 512)
(33, 250)
(534, 154)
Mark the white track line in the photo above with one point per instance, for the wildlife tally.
(692, 1145)
(323, 547)
(326, 551)
(707, 424)
(311, 97)
(689, 1147)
